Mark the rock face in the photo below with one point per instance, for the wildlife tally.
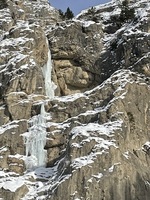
(104, 159)
(74, 52)
(24, 47)
(97, 126)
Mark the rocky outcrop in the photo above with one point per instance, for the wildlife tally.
(11, 142)
(94, 133)
(17, 195)
(106, 155)
(76, 48)
(84, 50)
(79, 65)
(24, 48)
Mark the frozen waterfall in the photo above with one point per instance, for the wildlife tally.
(35, 141)
(47, 70)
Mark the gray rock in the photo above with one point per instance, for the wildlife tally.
(98, 124)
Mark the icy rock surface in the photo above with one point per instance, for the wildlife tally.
(92, 135)
(35, 141)
(47, 71)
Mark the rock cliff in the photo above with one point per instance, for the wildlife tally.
(74, 102)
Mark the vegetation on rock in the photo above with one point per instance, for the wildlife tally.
(3, 4)
(127, 13)
(67, 15)
(92, 14)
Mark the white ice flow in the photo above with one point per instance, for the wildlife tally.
(47, 70)
(35, 141)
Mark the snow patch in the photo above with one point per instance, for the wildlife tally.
(111, 169)
(88, 23)
(98, 176)
(12, 185)
(89, 129)
(82, 161)
(8, 126)
(126, 154)
(94, 132)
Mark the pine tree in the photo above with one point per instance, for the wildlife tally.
(92, 11)
(127, 13)
(3, 4)
(69, 14)
(62, 15)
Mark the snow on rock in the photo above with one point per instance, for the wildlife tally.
(13, 185)
(88, 23)
(146, 147)
(8, 126)
(126, 154)
(90, 129)
(93, 132)
(89, 140)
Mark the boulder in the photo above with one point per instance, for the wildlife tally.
(19, 106)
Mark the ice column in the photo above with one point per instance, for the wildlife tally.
(47, 70)
(35, 141)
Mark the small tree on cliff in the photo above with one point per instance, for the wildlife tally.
(127, 13)
(69, 14)
(3, 4)
(92, 13)
(61, 14)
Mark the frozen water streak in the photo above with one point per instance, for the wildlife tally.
(35, 141)
(49, 84)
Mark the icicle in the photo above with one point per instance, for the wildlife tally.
(35, 141)
(43, 113)
(49, 84)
